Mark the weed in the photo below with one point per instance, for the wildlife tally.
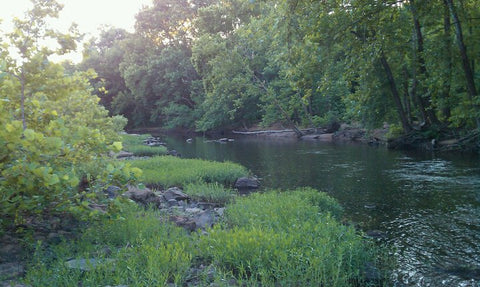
(209, 192)
(173, 171)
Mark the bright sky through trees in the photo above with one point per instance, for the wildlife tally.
(88, 14)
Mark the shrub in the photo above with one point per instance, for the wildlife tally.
(173, 171)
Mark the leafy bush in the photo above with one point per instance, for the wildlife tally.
(173, 171)
(209, 192)
(135, 145)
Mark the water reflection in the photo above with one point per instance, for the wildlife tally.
(428, 206)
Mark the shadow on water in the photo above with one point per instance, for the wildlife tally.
(426, 206)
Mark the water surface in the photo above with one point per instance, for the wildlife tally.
(425, 206)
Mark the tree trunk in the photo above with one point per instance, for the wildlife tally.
(447, 74)
(467, 69)
(396, 97)
(424, 98)
(22, 99)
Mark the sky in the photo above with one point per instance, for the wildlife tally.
(90, 15)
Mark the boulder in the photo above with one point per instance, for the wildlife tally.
(174, 193)
(247, 183)
(143, 196)
(205, 219)
(183, 221)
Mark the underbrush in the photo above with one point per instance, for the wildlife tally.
(140, 249)
(167, 171)
(289, 238)
(135, 145)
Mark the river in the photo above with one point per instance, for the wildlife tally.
(424, 207)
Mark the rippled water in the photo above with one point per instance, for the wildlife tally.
(426, 207)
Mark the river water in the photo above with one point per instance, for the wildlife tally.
(425, 207)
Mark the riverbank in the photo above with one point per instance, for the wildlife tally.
(271, 238)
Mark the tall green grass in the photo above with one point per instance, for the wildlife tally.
(135, 145)
(287, 239)
(209, 192)
(273, 239)
(169, 171)
(140, 249)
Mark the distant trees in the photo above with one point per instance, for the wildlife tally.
(233, 63)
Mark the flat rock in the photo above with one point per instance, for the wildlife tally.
(174, 193)
(143, 196)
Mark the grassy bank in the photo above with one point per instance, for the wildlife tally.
(168, 171)
(135, 145)
(277, 238)
(289, 238)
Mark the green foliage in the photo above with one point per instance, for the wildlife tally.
(173, 171)
(394, 131)
(135, 145)
(287, 239)
(209, 192)
(272, 247)
(52, 130)
(136, 249)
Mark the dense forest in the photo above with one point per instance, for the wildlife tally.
(222, 64)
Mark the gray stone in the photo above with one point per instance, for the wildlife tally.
(143, 196)
(11, 270)
(205, 219)
(112, 191)
(220, 211)
(184, 222)
(123, 154)
(174, 193)
(247, 183)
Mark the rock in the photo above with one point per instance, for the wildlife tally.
(87, 264)
(175, 193)
(376, 234)
(153, 141)
(174, 153)
(247, 183)
(193, 210)
(183, 221)
(205, 219)
(123, 154)
(143, 196)
(220, 211)
(172, 202)
(112, 191)
(332, 127)
(11, 270)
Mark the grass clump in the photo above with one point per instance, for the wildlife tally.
(140, 249)
(287, 239)
(169, 171)
(209, 192)
(135, 145)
